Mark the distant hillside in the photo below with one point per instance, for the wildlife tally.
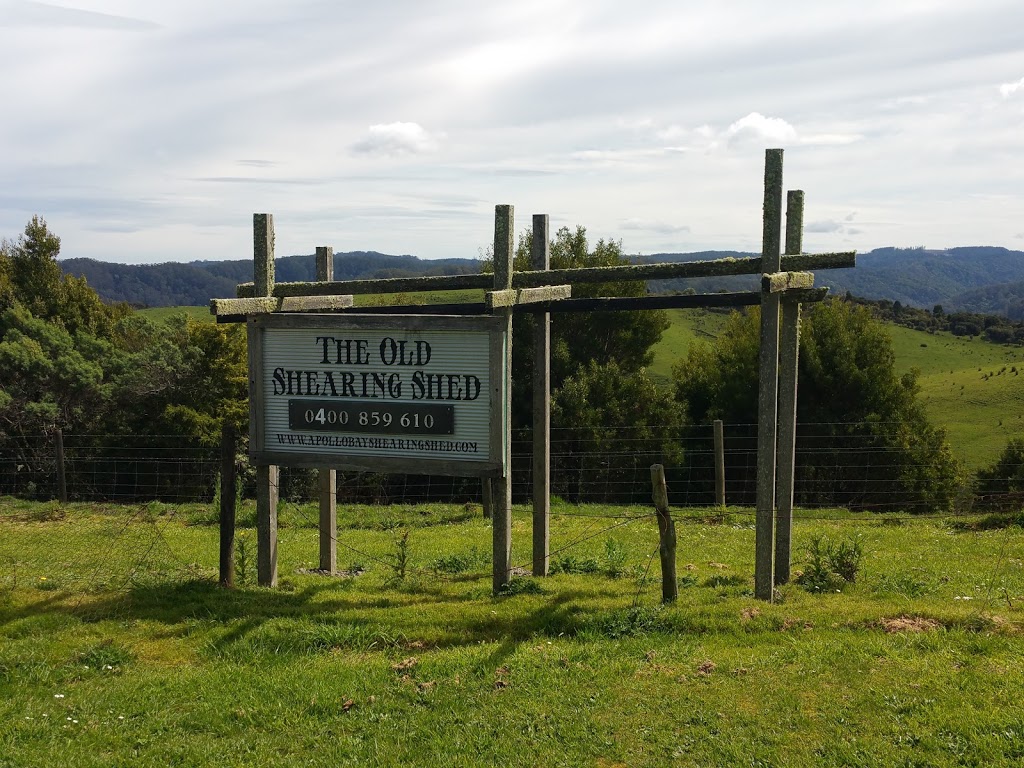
(976, 279)
(913, 276)
(1003, 299)
(194, 283)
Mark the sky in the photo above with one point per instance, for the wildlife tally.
(147, 132)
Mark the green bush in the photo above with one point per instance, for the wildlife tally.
(831, 565)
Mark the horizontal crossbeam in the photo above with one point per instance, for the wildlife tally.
(620, 304)
(266, 305)
(513, 297)
(542, 278)
(784, 281)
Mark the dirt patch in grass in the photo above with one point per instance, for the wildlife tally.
(909, 624)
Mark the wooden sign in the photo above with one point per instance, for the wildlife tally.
(413, 394)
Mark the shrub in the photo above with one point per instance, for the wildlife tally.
(831, 565)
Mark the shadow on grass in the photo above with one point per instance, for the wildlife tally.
(250, 623)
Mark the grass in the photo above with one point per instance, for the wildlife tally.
(687, 326)
(975, 389)
(968, 386)
(116, 647)
(163, 314)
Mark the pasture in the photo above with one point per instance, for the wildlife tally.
(117, 648)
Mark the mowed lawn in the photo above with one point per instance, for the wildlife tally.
(117, 648)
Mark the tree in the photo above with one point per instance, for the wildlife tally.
(31, 276)
(1004, 476)
(616, 424)
(865, 441)
(577, 338)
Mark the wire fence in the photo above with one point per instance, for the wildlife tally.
(603, 475)
(836, 465)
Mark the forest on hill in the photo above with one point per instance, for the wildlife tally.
(177, 284)
(982, 280)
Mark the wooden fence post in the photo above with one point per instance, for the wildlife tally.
(540, 256)
(268, 476)
(487, 498)
(327, 478)
(768, 386)
(62, 483)
(789, 358)
(719, 463)
(228, 496)
(501, 488)
(666, 535)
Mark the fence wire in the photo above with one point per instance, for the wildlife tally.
(834, 467)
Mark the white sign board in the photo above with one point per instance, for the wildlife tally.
(417, 393)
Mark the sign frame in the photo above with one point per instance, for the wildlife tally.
(499, 409)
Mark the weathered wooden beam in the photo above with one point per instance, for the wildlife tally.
(266, 305)
(666, 535)
(540, 258)
(501, 488)
(513, 297)
(315, 303)
(681, 269)
(768, 383)
(789, 358)
(784, 281)
(388, 285)
(612, 304)
(541, 278)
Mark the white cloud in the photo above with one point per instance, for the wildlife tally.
(395, 139)
(825, 225)
(756, 128)
(1008, 89)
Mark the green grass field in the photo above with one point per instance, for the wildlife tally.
(968, 387)
(117, 649)
(162, 314)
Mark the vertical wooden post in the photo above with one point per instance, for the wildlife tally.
(328, 478)
(540, 258)
(62, 482)
(789, 357)
(501, 488)
(228, 496)
(487, 498)
(768, 386)
(266, 476)
(719, 463)
(666, 534)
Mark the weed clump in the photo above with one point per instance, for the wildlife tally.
(831, 566)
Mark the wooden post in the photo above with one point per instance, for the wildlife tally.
(501, 488)
(667, 535)
(789, 358)
(267, 481)
(719, 463)
(328, 478)
(540, 258)
(228, 496)
(266, 476)
(62, 482)
(487, 498)
(768, 386)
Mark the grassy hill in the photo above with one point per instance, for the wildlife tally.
(968, 387)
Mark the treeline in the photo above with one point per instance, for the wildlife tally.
(72, 362)
(996, 328)
(194, 283)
